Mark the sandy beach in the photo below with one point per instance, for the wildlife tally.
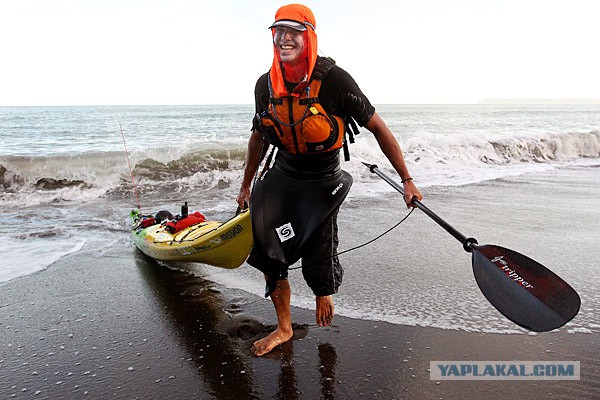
(122, 326)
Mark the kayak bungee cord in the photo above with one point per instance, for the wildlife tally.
(135, 191)
(360, 245)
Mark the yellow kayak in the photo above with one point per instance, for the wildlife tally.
(221, 244)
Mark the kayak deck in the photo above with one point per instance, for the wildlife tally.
(221, 244)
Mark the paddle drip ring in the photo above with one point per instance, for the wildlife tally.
(468, 243)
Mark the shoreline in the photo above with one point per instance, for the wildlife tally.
(123, 326)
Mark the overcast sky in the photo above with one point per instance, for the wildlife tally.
(100, 52)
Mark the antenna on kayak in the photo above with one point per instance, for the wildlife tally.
(137, 197)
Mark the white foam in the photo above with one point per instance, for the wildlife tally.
(580, 330)
(25, 257)
(452, 160)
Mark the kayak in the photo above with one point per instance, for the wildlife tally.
(221, 244)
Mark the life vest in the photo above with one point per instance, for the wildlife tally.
(298, 123)
(179, 225)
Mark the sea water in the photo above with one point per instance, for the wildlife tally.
(66, 187)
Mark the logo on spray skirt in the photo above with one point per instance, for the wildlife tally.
(337, 188)
(285, 232)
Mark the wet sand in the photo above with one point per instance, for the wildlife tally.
(121, 326)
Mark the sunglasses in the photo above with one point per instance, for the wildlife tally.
(281, 31)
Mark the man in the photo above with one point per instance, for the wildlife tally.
(303, 105)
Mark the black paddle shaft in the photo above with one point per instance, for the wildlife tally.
(466, 242)
(522, 289)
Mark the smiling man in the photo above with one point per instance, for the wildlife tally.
(303, 107)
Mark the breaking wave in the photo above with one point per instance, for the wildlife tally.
(91, 175)
(469, 149)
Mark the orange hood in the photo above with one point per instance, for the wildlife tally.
(303, 15)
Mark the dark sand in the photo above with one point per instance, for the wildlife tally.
(121, 326)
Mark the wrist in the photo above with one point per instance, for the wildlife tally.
(406, 179)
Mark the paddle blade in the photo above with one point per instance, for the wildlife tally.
(522, 289)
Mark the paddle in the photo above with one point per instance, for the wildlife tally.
(522, 289)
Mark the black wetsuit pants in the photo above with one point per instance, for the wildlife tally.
(321, 268)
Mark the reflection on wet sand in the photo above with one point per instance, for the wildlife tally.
(217, 335)
(328, 358)
(288, 383)
(194, 309)
(288, 387)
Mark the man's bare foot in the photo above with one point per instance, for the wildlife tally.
(324, 310)
(268, 343)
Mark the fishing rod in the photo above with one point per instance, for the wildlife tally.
(523, 290)
(135, 191)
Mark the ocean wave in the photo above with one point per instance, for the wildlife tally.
(450, 160)
(189, 164)
(472, 149)
(91, 175)
(64, 178)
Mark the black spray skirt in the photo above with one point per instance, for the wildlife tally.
(286, 210)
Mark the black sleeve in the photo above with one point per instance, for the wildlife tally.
(261, 98)
(341, 96)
